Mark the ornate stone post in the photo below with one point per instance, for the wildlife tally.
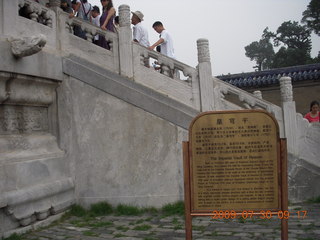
(289, 115)
(205, 76)
(125, 42)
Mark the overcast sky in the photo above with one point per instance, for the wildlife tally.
(229, 25)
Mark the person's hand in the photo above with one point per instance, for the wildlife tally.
(71, 15)
(151, 48)
(103, 27)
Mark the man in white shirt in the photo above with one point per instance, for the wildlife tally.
(140, 33)
(165, 40)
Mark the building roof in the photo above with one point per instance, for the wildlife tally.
(271, 77)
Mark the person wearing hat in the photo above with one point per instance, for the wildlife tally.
(140, 33)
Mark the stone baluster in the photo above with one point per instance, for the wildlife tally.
(205, 76)
(165, 70)
(48, 18)
(32, 13)
(89, 34)
(142, 59)
(257, 94)
(125, 42)
(289, 114)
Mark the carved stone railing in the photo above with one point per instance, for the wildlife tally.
(175, 79)
(71, 44)
(235, 98)
(36, 12)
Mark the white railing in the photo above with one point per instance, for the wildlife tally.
(36, 12)
(173, 78)
(85, 48)
(232, 97)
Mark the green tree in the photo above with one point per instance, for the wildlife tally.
(311, 16)
(293, 35)
(295, 40)
(261, 52)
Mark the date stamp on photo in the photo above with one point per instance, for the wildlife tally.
(247, 214)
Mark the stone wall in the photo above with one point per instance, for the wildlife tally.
(119, 153)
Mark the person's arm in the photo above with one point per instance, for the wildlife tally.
(111, 12)
(161, 40)
(75, 10)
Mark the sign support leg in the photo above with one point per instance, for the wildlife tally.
(284, 188)
(187, 193)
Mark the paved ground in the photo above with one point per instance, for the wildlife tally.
(151, 227)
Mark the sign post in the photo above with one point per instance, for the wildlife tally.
(235, 164)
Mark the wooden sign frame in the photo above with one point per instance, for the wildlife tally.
(281, 154)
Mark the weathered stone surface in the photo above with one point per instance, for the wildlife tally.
(121, 150)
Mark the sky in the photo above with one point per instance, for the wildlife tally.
(229, 25)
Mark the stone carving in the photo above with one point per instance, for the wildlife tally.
(286, 89)
(18, 119)
(257, 94)
(124, 16)
(203, 50)
(37, 201)
(36, 12)
(26, 46)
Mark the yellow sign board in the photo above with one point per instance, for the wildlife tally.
(234, 161)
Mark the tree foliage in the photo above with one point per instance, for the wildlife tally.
(311, 16)
(294, 41)
(261, 52)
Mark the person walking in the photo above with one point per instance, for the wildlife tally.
(140, 33)
(106, 21)
(165, 40)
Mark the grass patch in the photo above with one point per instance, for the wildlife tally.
(78, 223)
(150, 238)
(139, 221)
(78, 211)
(178, 226)
(122, 228)
(309, 227)
(173, 209)
(90, 233)
(144, 227)
(314, 200)
(151, 210)
(13, 237)
(199, 228)
(127, 210)
(119, 235)
(100, 209)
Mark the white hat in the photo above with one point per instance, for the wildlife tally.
(138, 14)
